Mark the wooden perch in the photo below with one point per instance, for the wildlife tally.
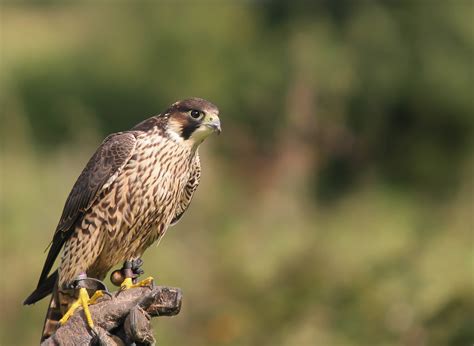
(123, 319)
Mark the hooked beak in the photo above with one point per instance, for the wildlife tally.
(215, 125)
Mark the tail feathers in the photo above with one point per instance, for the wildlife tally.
(61, 301)
(53, 315)
(45, 288)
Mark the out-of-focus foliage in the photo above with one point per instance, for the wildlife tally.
(336, 206)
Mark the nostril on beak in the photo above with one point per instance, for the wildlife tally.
(214, 123)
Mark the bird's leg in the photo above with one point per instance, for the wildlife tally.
(84, 300)
(131, 270)
(119, 275)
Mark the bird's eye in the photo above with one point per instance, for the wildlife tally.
(195, 114)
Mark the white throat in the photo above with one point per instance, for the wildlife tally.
(174, 136)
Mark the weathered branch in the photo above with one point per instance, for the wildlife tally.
(120, 320)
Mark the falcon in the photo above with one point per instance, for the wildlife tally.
(137, 184)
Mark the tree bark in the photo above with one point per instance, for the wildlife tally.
(122, 319)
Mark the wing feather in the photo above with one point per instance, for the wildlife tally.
(100, 171)
(187, 194)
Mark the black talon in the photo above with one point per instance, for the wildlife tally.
(108, 294)
(95, 336)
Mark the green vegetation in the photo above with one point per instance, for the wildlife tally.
(336, 206)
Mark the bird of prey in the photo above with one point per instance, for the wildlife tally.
(137, 184)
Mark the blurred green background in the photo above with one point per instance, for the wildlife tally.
(336, 208)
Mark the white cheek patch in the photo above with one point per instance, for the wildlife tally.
(174, 131)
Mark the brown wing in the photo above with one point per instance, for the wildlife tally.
(188, 192)
(100, 171)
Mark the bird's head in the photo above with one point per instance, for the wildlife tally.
(192, 120)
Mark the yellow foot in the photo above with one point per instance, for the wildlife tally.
(128, 283)
(83, 301)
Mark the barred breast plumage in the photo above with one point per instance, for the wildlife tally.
(135, 210)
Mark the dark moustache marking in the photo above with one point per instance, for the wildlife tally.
(189, 127)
